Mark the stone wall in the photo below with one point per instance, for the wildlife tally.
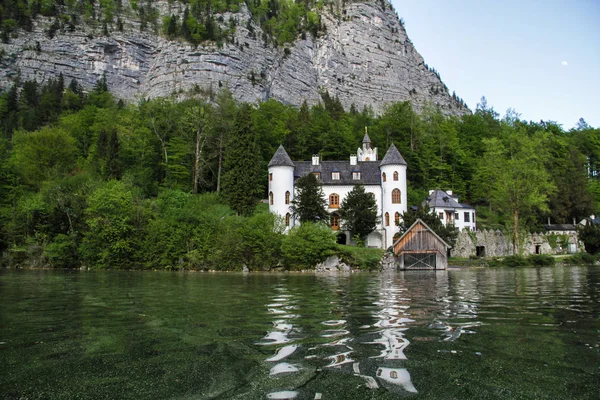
(499, 244)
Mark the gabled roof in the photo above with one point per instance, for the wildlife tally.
(281, 159)
(419, 220)
(441, 199)
(392, 157)
(369, 172)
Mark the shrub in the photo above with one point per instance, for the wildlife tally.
(541, 260)
(515, 261)
(582, 259)
(307, 245)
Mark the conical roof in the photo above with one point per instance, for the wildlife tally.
(392, 157)
(366, 139)
(281, 159)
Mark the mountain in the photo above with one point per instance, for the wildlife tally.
(358, 52)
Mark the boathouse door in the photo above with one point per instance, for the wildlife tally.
(420, 260)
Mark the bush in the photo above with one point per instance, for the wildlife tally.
(541, 260)
(582, 259)
(515, 261)
(360, 257)
(308, 244)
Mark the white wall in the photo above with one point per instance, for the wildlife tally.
(282, 181)
(387, 187)
(460, 222)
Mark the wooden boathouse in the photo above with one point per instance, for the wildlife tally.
(421, 248)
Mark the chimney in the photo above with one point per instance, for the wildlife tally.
(353, 159)
(449, 192)
(315, 159)
(574, 221)
(548, 220)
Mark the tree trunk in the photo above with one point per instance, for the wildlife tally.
(220, 164)
(196, 172)
(515, 232)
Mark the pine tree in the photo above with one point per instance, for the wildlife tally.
(358, 212)
(242, 165)
(309, 203)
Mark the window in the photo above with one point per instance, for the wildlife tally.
(383, 177)
(335, 176)
(395, 175)
(441, 215)
(287, 197)
(287, 219)
(334, 200)
(356, 175)
(271, 198)
(368, 159)
(396, 196)
(473, 217)
(397, 218)
(317, 175)
(334, 221)
(387, 219)
(270, 177)
(456, 217)
(372, 195)
(467, 217)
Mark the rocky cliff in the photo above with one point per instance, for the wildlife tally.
(364, 57)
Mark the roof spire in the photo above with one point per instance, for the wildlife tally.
(392, 157)
(366, 140)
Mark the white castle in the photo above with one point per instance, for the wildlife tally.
(385, 180)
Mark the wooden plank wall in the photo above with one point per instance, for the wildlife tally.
(419, 238)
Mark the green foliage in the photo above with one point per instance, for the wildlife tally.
(515, 261)
(362, 258)
(358, 212)
(242, 167)
(309, 203)
(541, 260)
(307, 245)
(590, 236)
(582, 259)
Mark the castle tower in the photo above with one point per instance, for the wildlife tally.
(366, 153)
(281, 185)
(393, 191)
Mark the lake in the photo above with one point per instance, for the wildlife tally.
(457, 334)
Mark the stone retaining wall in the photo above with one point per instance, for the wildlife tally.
(499, 244)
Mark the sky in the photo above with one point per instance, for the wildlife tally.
(538, 57)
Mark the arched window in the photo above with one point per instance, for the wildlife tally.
(271, 198)
(397, 218)
(287, 197)
(395, 196)
(287, 219)
(395, 175)
(383, 177)
(387, 219)
(334, 221)
(334, 200)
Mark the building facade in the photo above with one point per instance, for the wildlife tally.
(446, 206)
(385, 180)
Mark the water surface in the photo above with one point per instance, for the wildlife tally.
(457, 334)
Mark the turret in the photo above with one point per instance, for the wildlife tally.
(281, 185)
(393, 191)
(367, 153)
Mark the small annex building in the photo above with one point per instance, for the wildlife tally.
(421, 248)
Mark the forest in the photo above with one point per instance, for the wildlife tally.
(86, 179)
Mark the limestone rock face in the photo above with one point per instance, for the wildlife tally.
(365, 58)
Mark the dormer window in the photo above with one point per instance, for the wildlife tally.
(335, 176)
(356, 175)
(317, 175)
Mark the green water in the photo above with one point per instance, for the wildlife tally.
(458, 334)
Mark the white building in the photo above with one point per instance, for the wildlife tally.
(385, 179)
(446, 206)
